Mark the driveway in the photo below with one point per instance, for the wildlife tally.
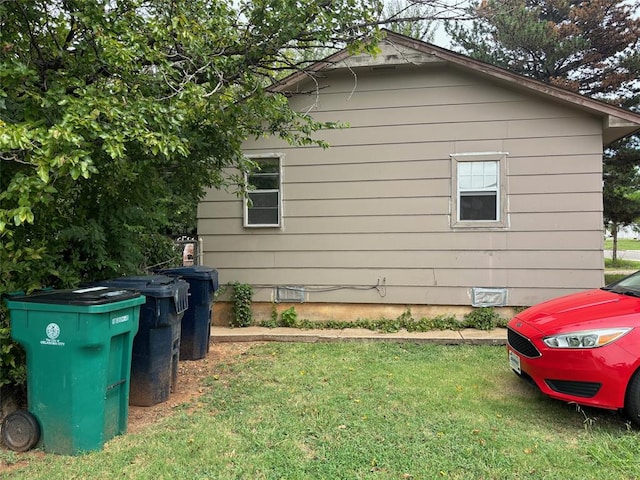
(624, 255)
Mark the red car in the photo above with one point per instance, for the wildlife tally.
(583, 348)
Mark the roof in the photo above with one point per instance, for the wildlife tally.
(398, 49)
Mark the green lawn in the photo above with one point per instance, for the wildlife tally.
(363, 411)
(620, 264)
(623, 244)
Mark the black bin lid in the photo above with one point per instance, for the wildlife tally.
(157, 286)
(83, 296)
(195, 272)
(200, 272)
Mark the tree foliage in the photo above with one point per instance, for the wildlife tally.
(591, 47)
(114, 116)
(621, 191)
(414, 27)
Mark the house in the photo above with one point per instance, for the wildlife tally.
(457, 184)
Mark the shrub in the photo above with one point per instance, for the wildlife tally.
(12, 356)
(483, 318)
(439, 322)
(289, 318)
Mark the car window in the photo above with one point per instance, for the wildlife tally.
(631, 282)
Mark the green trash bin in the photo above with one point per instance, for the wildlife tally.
(78, 345)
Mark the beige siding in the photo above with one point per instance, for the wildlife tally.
(366, 188)
(357, 154)
(397, 279)
(368, 219)
(432, 259)
(375, 241)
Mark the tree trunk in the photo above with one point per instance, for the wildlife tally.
(614, 236)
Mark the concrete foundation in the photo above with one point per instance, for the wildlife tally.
(322, 312)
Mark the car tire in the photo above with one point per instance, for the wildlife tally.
(632, 399)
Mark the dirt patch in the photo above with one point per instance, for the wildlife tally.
(189, 387)
(191, 373)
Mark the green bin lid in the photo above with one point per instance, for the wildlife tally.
(82, 296)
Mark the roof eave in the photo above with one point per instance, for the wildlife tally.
(614, 128)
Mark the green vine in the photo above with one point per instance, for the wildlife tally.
(289, 318)
(241, 309)
(485, 318)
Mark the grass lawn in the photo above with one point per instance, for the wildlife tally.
(364, 411)
(620, 264)
(623, 244)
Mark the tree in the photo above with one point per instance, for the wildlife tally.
(621, 191)
(113, 112)
(590, 47)
(420, 29)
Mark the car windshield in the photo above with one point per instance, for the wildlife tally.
(628, 285)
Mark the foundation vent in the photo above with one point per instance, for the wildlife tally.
(488, 297)
(290, 293)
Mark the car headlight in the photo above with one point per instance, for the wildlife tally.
(585, 339)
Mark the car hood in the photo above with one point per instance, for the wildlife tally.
(581, 311)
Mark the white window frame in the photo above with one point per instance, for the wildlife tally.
(500, 158)
(247, 207)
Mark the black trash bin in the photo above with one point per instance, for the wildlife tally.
(196, 323)
(156, 347)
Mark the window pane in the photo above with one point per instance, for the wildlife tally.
(477, 181)
(267, 181)
(464, 168)
(263, 216)
(478, 206)
(268, 175)
(263, 199)
(477, 168)
(478, 176)
(490, 169)
(263, 209)
(268, 165)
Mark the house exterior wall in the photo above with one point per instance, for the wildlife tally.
(368, 220)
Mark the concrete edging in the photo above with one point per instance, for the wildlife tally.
(443, 337)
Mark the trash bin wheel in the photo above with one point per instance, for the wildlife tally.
(20, 431)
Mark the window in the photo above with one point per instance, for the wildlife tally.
(478, 190)
(263, 207)
(478, 181)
